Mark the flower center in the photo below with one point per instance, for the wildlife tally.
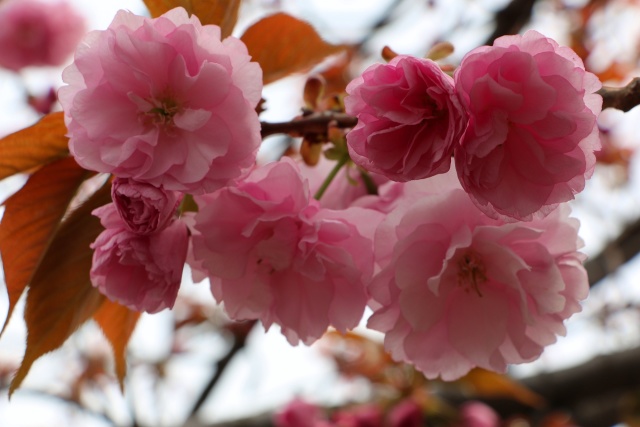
(162, 112)
(471, 272)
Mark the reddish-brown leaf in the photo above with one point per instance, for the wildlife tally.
(36, 145)
(282, 45)
(31, 217)
(60, 296)
(117, 322)
(158, 7)
(223, 13)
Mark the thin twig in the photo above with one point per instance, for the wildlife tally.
(310, 124)
(71, 402)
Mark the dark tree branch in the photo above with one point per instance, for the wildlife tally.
(512, 18)
(614, 254)
(240, 333)
(621, 98)
(592, 391)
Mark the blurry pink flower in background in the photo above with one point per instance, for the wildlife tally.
(458, 289)
(477, 414)
(163, 101)
(37, 33)
(532, 132)
(273, 254)
(409, 119)
(299, 413)
(142, 272)
(144, 208)
(407, 413)
(368, 415)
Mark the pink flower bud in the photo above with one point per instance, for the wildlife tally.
(144, 208)
(409, 119)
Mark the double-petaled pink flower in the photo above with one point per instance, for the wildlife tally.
(272, 253)
(37, 33)
(140, 271)
(532, 132)
(458, 289)
(409, 119)
(163, 101)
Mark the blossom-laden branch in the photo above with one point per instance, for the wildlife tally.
(309, 124)
(621, 98)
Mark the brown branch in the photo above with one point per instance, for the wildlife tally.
(310, 124)
(593, 391)
(621, 98)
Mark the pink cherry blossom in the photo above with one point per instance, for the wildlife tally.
(532, 132)
(459, 290)
(37, 33)
(144, 208)
(409, 119)
(163, 101)
(142, 272)
(274, 254)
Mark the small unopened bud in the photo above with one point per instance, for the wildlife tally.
(388, 54)
(313, 91)
(311, 152)
(440, 51)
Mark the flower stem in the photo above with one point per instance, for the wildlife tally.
(343, 160)
(371, 186)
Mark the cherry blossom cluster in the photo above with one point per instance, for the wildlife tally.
(519, 117)
(475, 265)
(166, 107)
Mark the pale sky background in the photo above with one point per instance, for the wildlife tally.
(269, 372)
